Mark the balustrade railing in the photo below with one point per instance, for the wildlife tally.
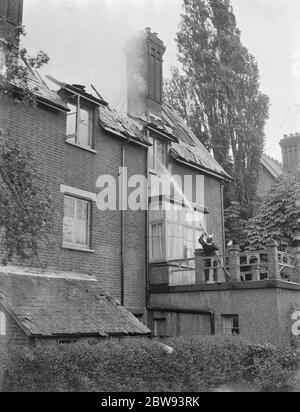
(234, 266)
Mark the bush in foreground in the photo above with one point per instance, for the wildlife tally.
(196, 365)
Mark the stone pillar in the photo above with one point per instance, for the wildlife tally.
(273, 263)
(199, 266)
(234, 263)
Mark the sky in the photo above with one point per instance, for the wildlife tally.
(85, 41)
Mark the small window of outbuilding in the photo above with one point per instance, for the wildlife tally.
(160, 328)
(2, 324)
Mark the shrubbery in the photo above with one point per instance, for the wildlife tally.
(196, 364)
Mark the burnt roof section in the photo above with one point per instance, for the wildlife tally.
(42, 91)
(122, 125)
(51, 307)
(184, 144)
(189, 148)
(78, 89)
(274, 167)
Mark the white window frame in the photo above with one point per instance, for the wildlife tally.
(227, 323)
(2, 324)
(75, 245)
(153, 168)
(162, 217)
(75, 137)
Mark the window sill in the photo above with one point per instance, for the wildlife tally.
(82, 147)
(78, 248)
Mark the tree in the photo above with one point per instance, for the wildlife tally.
(18, 66)
(25, 204)
(234, 224)
(217, 92)
(279, 215)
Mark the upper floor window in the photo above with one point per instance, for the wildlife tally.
(76, 222)
(80, 121)
(2, 324)
(158, 155)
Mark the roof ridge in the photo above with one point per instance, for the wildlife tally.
(273, 159)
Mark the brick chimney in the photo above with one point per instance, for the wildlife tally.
(144, 55)
(290, 147)
(11, 14)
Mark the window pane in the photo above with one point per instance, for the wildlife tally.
(83, 137)
(174, 229)
(76, 221)
(71, 122)
(160, 156)
(188, 243)
(151, 154)
(68, 220)
(174, 248)
(82, 222)
(156, 241)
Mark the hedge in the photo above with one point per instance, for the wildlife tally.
(195, 365)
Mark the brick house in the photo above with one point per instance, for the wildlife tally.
(144, 258)
(112, 246)
(271, 169)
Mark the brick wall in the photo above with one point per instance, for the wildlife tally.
(14, 334)
(61, 163)
(265, 182)
(264, 312)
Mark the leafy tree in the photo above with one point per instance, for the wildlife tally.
(25, 204)
(234, 224)
(217, 92)
(19, 65)
(279, 215)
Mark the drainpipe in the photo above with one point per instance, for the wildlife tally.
(147, 230)
(123, 228)
(222, 215)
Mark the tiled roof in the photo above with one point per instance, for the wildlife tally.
(185, 146)
(48, 306)
(274, 167)
(43, 92)
(121, 124)
(189, 148)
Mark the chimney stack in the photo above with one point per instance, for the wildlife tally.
(144, 55)
(11, 15)
(290, 147)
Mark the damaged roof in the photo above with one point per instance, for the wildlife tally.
(123, 125)
(189, 148)
(184, 145)
(50, 307)
(274, 167)
(42, 91)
